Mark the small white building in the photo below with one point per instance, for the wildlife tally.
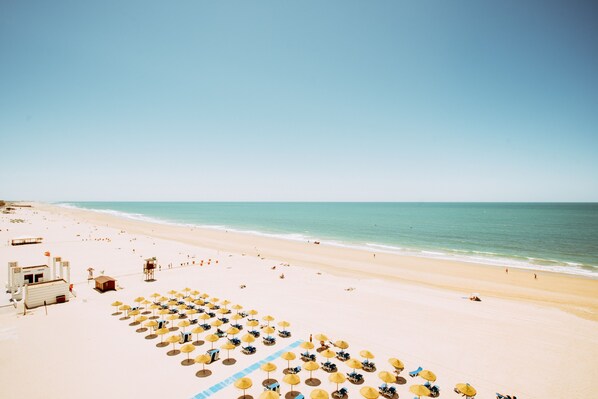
(47, 292)
(19, 276)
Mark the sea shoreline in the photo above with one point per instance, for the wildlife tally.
(572, 293)
(478, 257)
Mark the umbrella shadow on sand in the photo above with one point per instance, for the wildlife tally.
(292, 395)
(401, 381)
(151, 336)
(198, 343)
(173, 352)
(203, 373)
(313, 382)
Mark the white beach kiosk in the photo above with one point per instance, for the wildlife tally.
(38, 285)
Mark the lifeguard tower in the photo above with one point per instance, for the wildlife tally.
(149, 267)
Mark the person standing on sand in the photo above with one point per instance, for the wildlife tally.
(310, 338)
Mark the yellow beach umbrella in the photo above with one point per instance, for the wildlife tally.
(173, 339)
(354, 364)
(190, 312)
(203, 360)
(427, 375)
(172, 302)
(194, 293)
(248, 338)
(292, 379)
(419, 390)
(321, 337)
(284, 324)
(205, 295)
(116, 305)
(152, 324)
(252, 312)
(172, 318)
(288, 356)
(268, 368)
(199, 302)
(307, 345)
(252, 323)
(369, 392)
(126, 308)
(311, 367)
(204, 316)
(222, 311)
(466, 389)
(184, 324)
(236, 316)
(154, 308)
(232, 331)
(269, 395)
(237, 307)
(179, 295)
(155, 295)
(134, 312)
(188, 348)
(269, 330)
(186, 289)
(337, 378)
(319, 394)
(171, 292)
(217, 323)
(140, 319)
(163, 299)
(163, 312)
(387, 377)
(161, 332)
(268, 319)
(328, 353)
(396, 363)
(228, 347)
(139, 299)
(197, 330)
(212, 338)
(341, 344)
(367, 354)
(244, 384)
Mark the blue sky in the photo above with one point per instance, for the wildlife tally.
(304, 100)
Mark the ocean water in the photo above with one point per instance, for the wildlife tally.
(559, 237)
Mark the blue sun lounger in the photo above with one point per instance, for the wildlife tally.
(414, 373)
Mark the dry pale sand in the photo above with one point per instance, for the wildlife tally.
(531, 338)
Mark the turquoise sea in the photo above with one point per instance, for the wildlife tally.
(560, 237)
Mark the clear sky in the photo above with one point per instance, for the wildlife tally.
(299, 100)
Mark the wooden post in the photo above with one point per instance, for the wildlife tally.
(46, 308)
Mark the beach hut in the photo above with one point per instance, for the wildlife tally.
(149, 267)
(105, 283)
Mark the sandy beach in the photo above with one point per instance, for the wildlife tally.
(534, 338)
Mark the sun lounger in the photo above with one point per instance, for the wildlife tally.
(368, 366)
(329, 367)
(161, 323)
(249, 350)
(355, 377)
(220, 333)
(193, 321)
(255, 333)
(415, 373)
(269, 340)
(237, 326)
(499, 396)
(300, 396)
(185, 337)
(386, 391)
(295, 370)
(284, 334)
(211, 314)
(343, 356)
(306, 357)
(340, 394)
(434, 390)
(214, 355)
(273, 387)
(223, 319)
(235, 341)
(206, 326)
(243, 314)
